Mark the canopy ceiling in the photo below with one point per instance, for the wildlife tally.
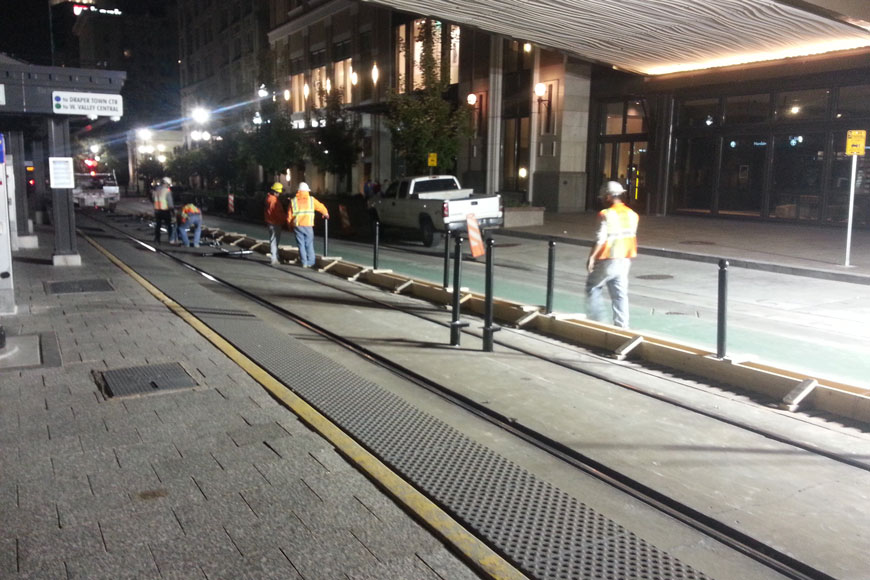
(663, 36)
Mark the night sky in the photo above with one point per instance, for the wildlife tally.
(24, 30)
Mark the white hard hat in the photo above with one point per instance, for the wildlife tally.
(303, 187)
(167, 180)
(613, 188)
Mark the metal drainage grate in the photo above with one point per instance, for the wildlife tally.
(144, 380)
(654, 277)
(72, 286)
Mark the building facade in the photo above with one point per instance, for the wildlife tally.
(761, 141)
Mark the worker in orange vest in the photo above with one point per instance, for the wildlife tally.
(276, 219)
(610, 258)
(163, 205)
(301, 218)
(190, 215)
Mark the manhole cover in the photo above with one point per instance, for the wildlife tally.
(654, 276)
(698, 243)
(144, 380)
(72, 286)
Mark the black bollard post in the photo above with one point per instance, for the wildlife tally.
(551, 274)
(325, 237)
(455, 324)
(723, 309)
(377, 235)
(446, 259)
(488, 327)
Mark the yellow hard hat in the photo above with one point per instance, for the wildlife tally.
(277, 187)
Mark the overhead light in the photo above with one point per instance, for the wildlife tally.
(286, 94)
(262, 92)
(472, 99)
(527, 47)
(709, 120)
(737, 59)
(794, 110)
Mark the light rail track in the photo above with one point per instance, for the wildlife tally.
(734, 539)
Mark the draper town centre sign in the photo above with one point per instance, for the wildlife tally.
(91, 104)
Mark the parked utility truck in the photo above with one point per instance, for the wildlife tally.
(96, 190)
(434, 204)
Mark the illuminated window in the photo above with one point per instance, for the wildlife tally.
(401, 61)
(318, 86)
(343, 81)
(297, 95)
(454, 54)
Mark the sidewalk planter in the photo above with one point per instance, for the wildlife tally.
(523, 217)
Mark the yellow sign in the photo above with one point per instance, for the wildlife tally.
(855, 142)
(433, 160)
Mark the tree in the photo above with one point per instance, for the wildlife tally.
(274, 145)
(150, 170)
(334, 146)
(424, 121)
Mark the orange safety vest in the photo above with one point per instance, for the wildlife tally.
(161, 198)
(187, 211)
(304, 216)
(621, 222)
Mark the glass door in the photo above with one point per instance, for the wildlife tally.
(625, 162)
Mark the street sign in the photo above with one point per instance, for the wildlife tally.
(60, 173)
(855, 142)
(433, 160)
(2, 150)
(98, 104)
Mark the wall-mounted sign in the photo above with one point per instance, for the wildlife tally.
(99, 104)
(60, 173)
(2, 95)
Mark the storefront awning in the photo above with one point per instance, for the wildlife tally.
(656, 37)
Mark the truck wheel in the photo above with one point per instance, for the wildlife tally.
(427, 232)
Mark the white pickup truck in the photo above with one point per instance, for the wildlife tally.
(97, 190)
(435, 203)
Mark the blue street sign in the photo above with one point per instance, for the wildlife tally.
(2, 149)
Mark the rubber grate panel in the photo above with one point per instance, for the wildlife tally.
(544, 531)
(146, 379)
(72, 286)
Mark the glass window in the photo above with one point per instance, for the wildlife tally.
(742, 177)
(699, 113)
(611, 120)
(810, 105)
(318, 86)
(798, 162)
(635, 119)
(401, 60)
(837, 210)
(454, 54)
(854, 102)
(694, 173)
(747, 109)
(344, 79)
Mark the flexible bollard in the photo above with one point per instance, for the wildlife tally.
(325, 237)
(456, 325)
(551, 274)
(488, 327)
(377, 236)
(446, 260)
(723, 309)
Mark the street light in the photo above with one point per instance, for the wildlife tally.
(200, 115)
(262, 92)
(542, 89)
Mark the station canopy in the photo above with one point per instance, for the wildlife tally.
(655, 37)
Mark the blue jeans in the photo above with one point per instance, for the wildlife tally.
(194, 220)
(305, 241)
(274, 241)
(614, 275)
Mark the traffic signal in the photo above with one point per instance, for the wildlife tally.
(31, 182)
(91, 164)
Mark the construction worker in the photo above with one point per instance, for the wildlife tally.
(610, 258)
(163, 205)
(276, 219)
(190, 215)
(301, 218)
